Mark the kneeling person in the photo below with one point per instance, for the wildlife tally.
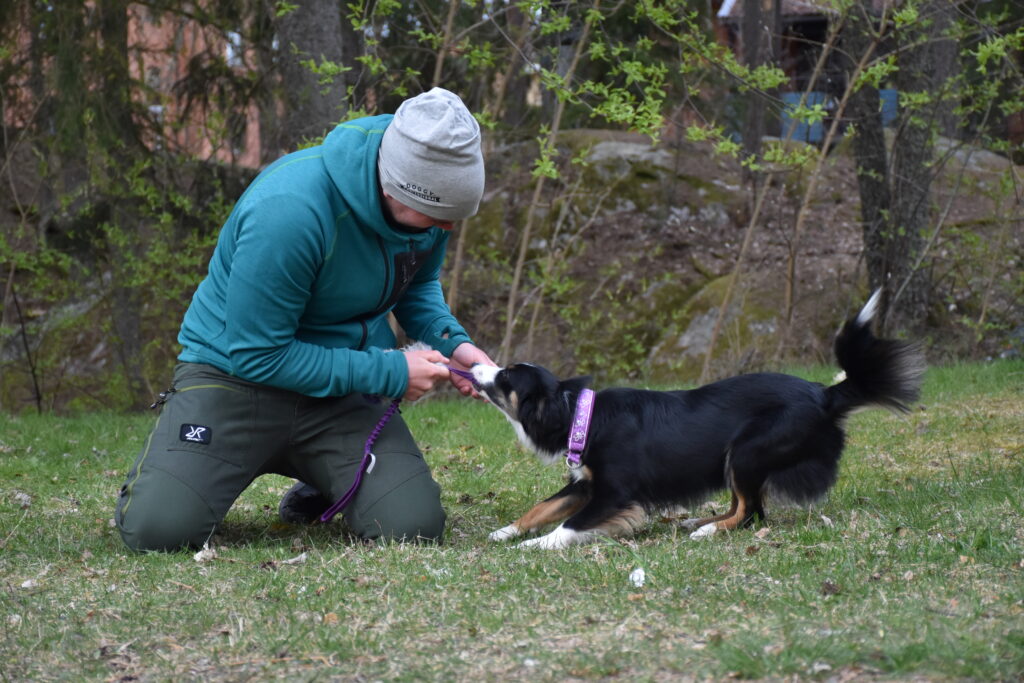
(284, 362)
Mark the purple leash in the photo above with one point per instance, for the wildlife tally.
(465, 375)
(369, 459)
(364, 467)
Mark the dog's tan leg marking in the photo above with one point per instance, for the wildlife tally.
(737, 516)
(549, 512)
(697, 523)
(546, 512)
(623, 523)
(620, 524)
(727, 523)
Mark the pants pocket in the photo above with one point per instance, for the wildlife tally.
(209, 418)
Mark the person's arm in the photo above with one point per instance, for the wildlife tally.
(275, 263)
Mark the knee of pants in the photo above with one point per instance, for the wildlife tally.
(411, 511)
(163, 516)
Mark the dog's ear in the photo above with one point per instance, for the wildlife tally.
(575, 385)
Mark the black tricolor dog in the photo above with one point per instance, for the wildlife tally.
(758, 434)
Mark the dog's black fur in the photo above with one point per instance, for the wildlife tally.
(754, 434)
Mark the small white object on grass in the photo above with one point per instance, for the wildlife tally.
(206, 554)
(298, 559)
(638, 576)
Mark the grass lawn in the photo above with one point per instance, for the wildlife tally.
(912, 568)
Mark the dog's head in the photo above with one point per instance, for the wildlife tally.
(535, 401)
(516, 386)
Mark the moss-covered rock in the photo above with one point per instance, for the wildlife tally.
(747, 331)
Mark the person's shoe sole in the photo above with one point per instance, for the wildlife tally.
(302, 504)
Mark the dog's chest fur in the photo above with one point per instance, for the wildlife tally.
(546, 456)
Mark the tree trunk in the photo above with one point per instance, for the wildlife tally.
(118, 129)
(923, 68)
(512, 104)
(311, 32)
(871, 156)
(896, 193)
(267, 100)
(352, 47)
(945, 63)
(754, 45)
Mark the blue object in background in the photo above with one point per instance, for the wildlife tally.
(804, 132)
(890, 101)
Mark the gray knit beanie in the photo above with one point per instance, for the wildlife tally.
(430, 158)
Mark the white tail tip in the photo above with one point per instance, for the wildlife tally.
(870, 308)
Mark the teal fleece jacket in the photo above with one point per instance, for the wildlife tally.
(307, 268)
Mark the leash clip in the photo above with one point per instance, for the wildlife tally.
(573, 463)
(162, 398)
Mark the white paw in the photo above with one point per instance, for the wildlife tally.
(705, 531)
(504, 533)
(548, 542)
(556, 540)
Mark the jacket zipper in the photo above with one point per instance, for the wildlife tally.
(391, 280)
(407, 267)
(387, 273)
(362, 339)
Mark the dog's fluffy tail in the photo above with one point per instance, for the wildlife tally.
(879, 372)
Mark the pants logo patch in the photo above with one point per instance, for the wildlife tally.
(195, 433)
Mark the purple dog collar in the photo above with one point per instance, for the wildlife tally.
(580, 427)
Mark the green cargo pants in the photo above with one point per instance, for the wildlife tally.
(216, 433)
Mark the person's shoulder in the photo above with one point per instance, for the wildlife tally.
(291, 190)
(288, 177)
(366, 125)
(366, 131)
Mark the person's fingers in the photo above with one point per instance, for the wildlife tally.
(466, 355)
(424, 372)
(431, 356)
(464, 386)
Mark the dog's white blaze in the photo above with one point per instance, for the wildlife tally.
(870, 308)
(558, 539)
(705, 531)
(505, 533)
(484, 374)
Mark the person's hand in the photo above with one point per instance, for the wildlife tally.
(424, 372)
(465, 357)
